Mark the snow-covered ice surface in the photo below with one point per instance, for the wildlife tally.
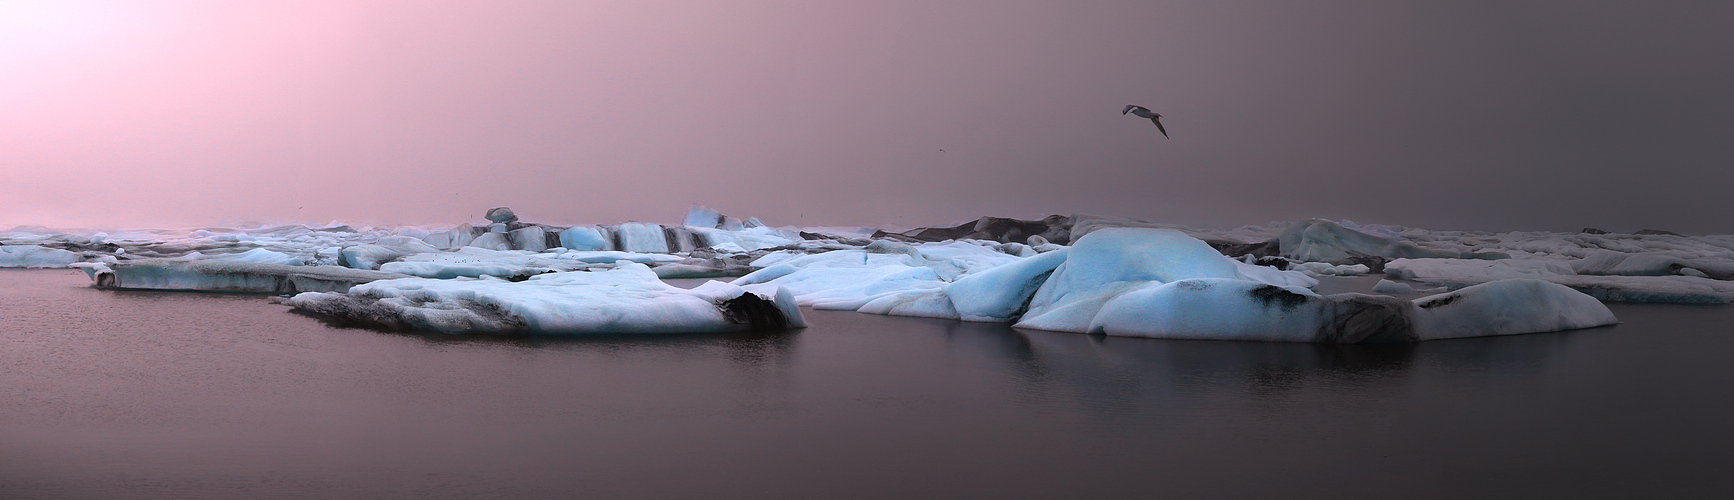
(626, 299)
(1053, 273)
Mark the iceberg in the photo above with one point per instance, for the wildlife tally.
(1162, 283)
(1228, 309)
(1111, 261)
(626, 299)
(1507, 307)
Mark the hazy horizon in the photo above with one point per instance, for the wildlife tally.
(1538, 115)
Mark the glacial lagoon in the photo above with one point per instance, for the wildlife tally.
(144, 394)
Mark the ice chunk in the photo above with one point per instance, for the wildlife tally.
(703, 216)
(264, 256)
(1475, 271)
(639, 237)
(1110, 261)
(914, 303)
(501, 215)
(492, 241)
(475, 262)
(216, 275)
(748, 239)
(1457, 272)
(999, 294)
(387, 249)
(1324, 269)
(628, 299)
(36, 256)
(1507, 307)
(1320, 240)
(1388, 286)
(1607, 262)
(846, 279)
(531, 238)
(586, 238)
(367, 256)
(1227, 309)
(456, 237)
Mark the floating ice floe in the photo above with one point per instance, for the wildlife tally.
(627, 299)
(36, 256)
(850, 279)
(1675, 288)
(472, 262)
(222, 275)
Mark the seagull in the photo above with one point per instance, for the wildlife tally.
(1144, 112)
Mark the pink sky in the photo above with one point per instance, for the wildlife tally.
(1527, 115)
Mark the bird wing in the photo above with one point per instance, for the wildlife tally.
(1158, 122)
(1130, 107)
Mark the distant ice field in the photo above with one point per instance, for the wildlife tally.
(1083, 274)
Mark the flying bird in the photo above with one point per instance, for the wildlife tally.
(1144, 112)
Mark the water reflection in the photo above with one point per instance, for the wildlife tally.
(165, 389)
(1118, 375)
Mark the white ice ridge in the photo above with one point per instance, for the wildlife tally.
(627, 299)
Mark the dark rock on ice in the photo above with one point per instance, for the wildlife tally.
(1269, 294)
(1231, 248)
(1053, 228)
(1279, 263)
(754, 311)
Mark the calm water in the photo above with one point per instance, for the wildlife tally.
(109, 394)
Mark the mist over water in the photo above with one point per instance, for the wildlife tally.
(193, 395)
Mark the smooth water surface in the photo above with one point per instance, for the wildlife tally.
(110, 394)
